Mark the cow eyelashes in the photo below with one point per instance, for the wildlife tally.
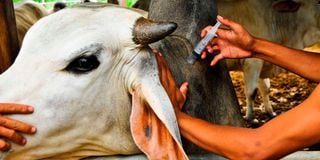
(83, 64)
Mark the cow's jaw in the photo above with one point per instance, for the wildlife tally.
(58, 124)
(67, 127)
(80, 112)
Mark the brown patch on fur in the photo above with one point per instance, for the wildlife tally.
(149, 133)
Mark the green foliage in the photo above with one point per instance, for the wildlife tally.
(49, 3)
(130, 3)
(17, 1)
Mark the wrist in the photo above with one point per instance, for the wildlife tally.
(181, 117)
(255, 48)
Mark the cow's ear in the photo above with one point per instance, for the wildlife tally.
(146, 31)
(286, 6)
(151, 134)
(153, 121)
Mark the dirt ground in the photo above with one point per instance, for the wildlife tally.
(287, 90)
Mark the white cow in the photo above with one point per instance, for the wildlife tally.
(89, 74)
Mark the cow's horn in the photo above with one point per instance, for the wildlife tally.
(146, 31)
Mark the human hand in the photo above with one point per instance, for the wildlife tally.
(10, 128)
(177, 96)
(235, 42)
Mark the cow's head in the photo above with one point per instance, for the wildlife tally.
(88, 72)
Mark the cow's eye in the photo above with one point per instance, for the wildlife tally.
(83, 64)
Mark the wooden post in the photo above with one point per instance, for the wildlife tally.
(9, 45)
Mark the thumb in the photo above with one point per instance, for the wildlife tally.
(227, 22)
(184, 89)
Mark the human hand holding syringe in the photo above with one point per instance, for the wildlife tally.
(196, 53)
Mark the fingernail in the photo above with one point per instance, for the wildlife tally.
(33, 129)
(7, 146)
(23, 141)
(30, 109)
(220, 16)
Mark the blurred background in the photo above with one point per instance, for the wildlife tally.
(50, 3)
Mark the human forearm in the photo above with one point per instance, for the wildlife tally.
(296, 129)
(305, 64)
(230, 142)
(272, 141)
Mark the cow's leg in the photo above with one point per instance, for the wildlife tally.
(264, 88)
(251, 72)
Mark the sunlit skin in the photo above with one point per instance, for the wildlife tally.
(289, 132)
(11, 129)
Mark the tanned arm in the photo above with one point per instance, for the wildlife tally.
(303, 63)
(289, 132)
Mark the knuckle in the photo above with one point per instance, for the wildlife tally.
(10, 108)
(12, 134)
(3, 121)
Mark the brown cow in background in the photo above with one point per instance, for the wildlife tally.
(26, 15)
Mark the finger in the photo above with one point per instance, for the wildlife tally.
(12, 135)
(216, 59)
(184, 89)
(165, 74)
(209, 49)
(17, 125)
(160, 59)
(15, 108)
(4, 146)
(155, 51)
(203, 55)
(214, 41)
(214, 45)
(213, 48)
(205, 31)
(227, 22)
(222, 34)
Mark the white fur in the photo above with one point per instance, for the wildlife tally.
(77, 115)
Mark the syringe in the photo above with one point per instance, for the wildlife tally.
(203, 43)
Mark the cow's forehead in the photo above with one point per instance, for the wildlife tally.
(81, 26)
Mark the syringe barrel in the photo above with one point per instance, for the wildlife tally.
(203, 43)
